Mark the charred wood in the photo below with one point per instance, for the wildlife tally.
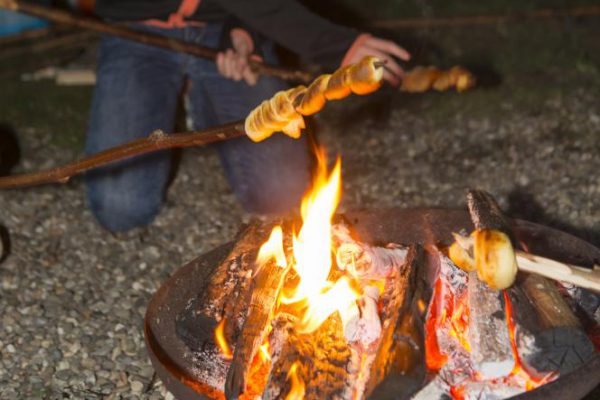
(399, 367)
(562, 344)
(485, 212)
(225, 295)
(263, 300)
(326, 365)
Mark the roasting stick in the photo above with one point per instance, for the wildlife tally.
(284, 111)
(66, 18)
(587, 278)
(489, 251)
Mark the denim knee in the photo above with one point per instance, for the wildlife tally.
(128, 197)
(121, 212)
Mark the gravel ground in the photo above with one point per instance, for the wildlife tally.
(73, 297)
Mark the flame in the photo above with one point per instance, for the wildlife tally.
(222, 342)
(297, 390)
(314, 293)
(264, 352)
(273, 248)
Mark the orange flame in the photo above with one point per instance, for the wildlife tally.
(264, 352)
(319, 297)
(222, 342)
(273, 248)
(297, 390)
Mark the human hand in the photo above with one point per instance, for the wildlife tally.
(386, 50)
(233, 63)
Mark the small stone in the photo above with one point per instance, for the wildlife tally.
(137, 387)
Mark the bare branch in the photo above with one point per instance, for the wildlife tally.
(158, 140)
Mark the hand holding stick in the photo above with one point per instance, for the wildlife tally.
(362, 78)
(66, 18)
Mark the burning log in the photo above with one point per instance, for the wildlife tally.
(345, 357)
(362, 260)
(396, 305)
(225, 294)
(224, 301)
(265, 292)
(549, 335)
(399, 366)
(489, 338)
(324, 357)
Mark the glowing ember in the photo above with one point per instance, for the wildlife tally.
(297, 390)
(222, 342)
(448, 351)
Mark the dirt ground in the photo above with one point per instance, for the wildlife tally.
(73, 296)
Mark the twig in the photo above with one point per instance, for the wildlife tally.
(156, 141)
(485, 19)
(76, 38)
(25, 36)
(64, 17)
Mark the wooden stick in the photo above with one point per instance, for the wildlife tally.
(74, 39)
(25, 36)
(158, 140)
(489, 19)
(579, 276)
(64, 17)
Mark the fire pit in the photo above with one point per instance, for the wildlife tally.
(176, 363)
(378, 304)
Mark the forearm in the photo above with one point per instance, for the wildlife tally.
(293, 26)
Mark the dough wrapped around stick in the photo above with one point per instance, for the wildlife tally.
(284, 112)
(421, 79)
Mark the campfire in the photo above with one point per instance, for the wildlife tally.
(308, 308)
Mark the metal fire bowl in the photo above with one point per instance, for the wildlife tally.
(174, 364)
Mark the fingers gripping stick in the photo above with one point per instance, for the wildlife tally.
(284, 112)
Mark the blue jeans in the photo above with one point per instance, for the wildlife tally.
(137, 92)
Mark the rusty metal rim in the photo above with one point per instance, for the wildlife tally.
(424, 225)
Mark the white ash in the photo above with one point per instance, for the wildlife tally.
(365, 261)
(475, 390)
(491, 350)
(364, 327)
(436, 389)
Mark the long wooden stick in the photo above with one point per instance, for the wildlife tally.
(66, 18)
(156, 141)
(579, 276)
(489, 19)
(366, 74)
